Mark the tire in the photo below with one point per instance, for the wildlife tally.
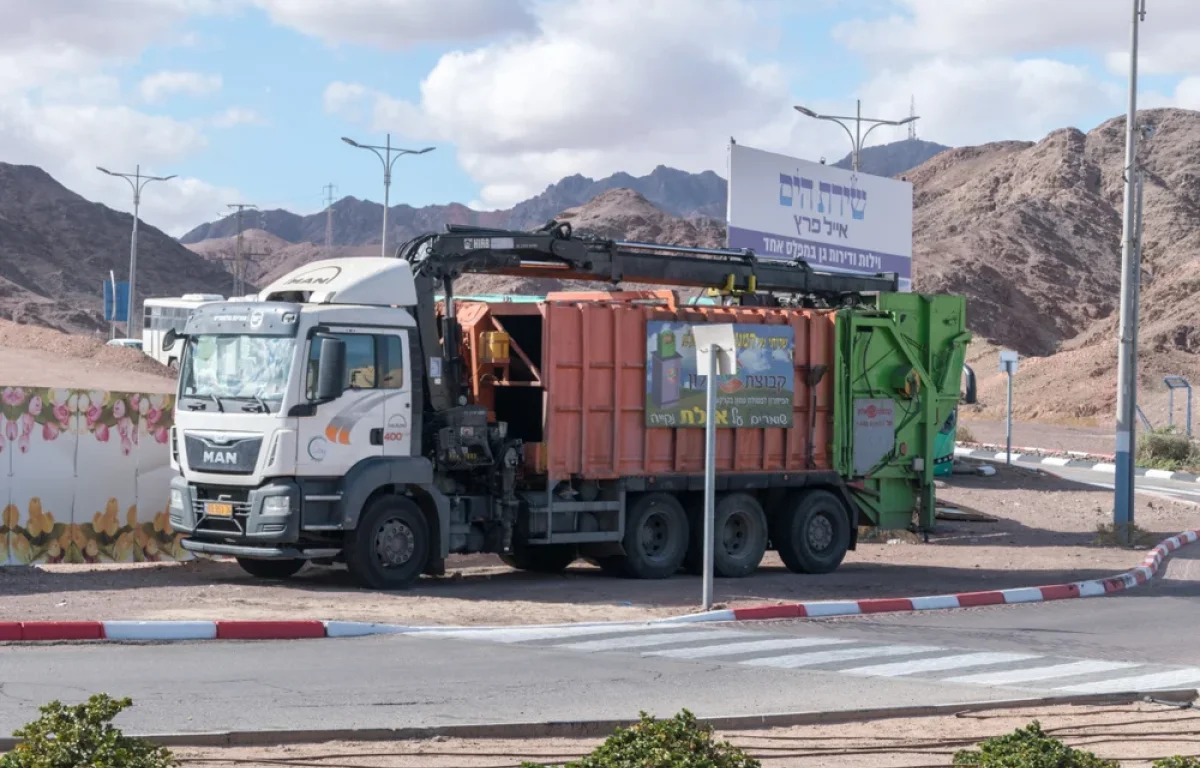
(548, 558)
(270, 569)
(812, 534)
(656, 537)
(740, 535)
(390, 547)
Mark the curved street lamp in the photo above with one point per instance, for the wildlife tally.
(857, 137)
(387, 160)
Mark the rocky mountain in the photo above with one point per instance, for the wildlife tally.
(678, 193)
(893, 159)
(56, 250)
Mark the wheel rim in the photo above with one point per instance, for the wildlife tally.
(736, 533)
(395, 543)
(655, 536)
(820, 533)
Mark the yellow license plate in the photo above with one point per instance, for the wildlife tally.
(215, 509)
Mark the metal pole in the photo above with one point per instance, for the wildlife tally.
(857, 131)
(137, 199)
(112, 323)
(1008, 419)
(387, 182)
(1123, 509)
(710, 474)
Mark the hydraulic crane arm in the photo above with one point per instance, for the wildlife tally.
(552, 252)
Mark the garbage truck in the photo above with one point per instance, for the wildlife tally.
(358, 412)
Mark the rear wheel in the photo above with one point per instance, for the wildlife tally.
(656, 537)
(390, 547)
(812, 534)
(270, 569)
(739, 535)
(548, 558)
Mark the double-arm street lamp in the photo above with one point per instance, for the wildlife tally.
(138, 182)
(856, 136)
(387, 160)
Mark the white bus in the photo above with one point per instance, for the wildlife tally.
(162, 315)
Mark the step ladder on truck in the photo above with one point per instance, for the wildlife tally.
(357, 412)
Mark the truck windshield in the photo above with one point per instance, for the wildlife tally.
(237, 366)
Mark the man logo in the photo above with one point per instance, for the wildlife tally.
(318, 276)
(220, 457)
(318, 448)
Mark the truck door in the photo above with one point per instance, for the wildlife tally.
(347, 430)
(395, 379)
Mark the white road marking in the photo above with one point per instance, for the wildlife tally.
(1056, 461)
(750, 646)
(1156, 681)
(938, 664)
(1160, 474)
(792, 661)
(526, 634)
(1041, 673)
(648, 641)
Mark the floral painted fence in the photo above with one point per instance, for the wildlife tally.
(84, 477)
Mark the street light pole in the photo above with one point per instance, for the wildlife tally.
(387, 160)
(857, 137)
(1130, 274)
(138, 182)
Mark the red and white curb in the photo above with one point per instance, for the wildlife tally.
(165, 631)
(1073, 460)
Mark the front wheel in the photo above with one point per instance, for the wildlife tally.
(270, 569)
(812, 534)
(656, 537)
(390, 546)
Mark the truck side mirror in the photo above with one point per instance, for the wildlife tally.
(969, 395)
(169, 339)
(331, 369)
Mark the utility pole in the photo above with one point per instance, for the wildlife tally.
(238, 269)
(857, 137)
(138, 182)
(328, 189)
(912, 116)
(387, 160)
(1130, 275)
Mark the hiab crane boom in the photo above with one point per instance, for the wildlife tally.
(348, 416)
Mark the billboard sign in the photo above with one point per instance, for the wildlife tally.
(759, 394)
(116, 304)
(834, 219)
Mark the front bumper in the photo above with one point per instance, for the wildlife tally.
(259, 552)
(251, 525)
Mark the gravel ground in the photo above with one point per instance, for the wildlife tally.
(1045, 534)
(1053, 437)
(1132, 734)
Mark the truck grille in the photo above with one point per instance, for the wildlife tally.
(234, 524)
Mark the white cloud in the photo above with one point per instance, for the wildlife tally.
(235, 116)
(604, 85)
(990, 99)
(399, 24)
(162, 85)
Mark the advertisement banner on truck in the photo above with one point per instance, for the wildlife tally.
(759, 394)
(834, 219)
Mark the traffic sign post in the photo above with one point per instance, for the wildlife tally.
(715, 353)
(1008, 365)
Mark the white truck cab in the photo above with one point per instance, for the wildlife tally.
(286, 404)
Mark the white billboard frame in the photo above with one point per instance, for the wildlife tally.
(834, 219)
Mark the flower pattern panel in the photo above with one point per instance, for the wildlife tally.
(42, 486)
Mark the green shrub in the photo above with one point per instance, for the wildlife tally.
(680, 742)
(963, 434)
(82, 735)
(1028, 747)
(1177, 762)
(1167, 449)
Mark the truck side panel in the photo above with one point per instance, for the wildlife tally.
(594, 363)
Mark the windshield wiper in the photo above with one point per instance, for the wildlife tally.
(217, 400)
(259, 407)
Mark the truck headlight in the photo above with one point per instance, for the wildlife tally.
(176, 499)
(277, 506)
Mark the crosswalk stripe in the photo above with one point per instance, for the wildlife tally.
(529, 634)
(750, 646)
(941, 663)
(792, 661)
(1041, 673)
(648, 641)
(1157, 681)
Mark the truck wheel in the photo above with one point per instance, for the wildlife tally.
(549, 558)
(390, 547)
(739, 533)
(656, 537)
(812, 534)
(270, 569)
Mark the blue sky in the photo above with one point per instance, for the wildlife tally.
(246, 99)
